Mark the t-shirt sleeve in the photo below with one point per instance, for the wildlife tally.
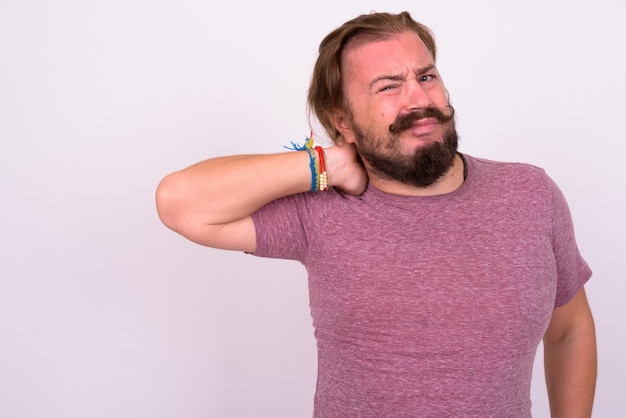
(572, 270)
(280, 232)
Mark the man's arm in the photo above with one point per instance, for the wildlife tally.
(570, 359)
(211, 202)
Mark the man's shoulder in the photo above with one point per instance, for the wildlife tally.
(510, 177)
(511, 170)
(508, 166)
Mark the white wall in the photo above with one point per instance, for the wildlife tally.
(105, 313)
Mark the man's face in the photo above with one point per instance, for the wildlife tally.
(397, 114)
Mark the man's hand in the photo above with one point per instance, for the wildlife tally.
(345, 169)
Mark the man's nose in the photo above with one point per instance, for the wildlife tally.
(417, 96)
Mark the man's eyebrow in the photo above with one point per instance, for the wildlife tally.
(386, 77)
(424, 70)
(398, 77)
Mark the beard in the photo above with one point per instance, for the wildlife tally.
(425, 166)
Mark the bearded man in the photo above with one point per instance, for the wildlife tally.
(433, 275)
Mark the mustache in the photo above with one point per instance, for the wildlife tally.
(404, 122)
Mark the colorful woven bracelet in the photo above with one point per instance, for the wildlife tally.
(314, 169)
(317, 163)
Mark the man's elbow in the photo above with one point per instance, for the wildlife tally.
(169, 202)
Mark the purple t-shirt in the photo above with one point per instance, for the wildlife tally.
(430, 306)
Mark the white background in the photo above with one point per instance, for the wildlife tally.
(106, 313)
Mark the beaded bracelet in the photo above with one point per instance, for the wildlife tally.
(323, 175)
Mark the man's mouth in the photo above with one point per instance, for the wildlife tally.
(423, 126)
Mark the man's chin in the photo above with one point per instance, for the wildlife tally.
(413, 145)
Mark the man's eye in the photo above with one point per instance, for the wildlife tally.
(427, 77)
(388, 87)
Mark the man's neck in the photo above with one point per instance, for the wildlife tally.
(449, 182)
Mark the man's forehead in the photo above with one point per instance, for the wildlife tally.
(371, 48)
(390, 54)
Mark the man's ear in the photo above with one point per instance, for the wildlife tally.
(343, 125)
